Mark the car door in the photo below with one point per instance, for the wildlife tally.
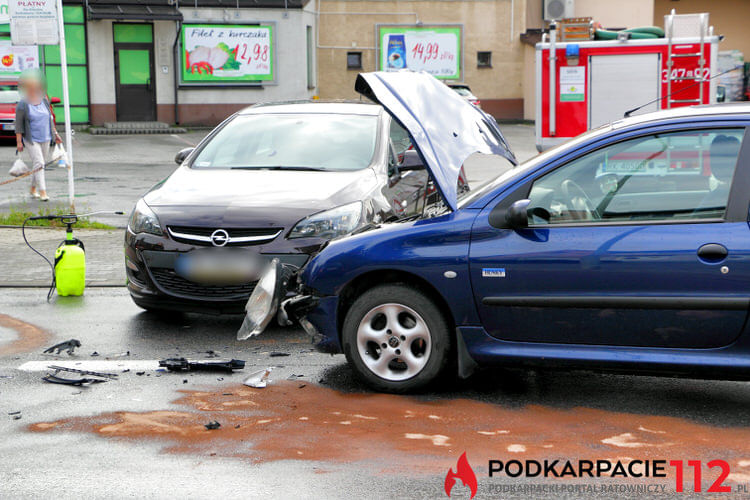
(640, 242)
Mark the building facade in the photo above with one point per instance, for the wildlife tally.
(354, 36)
(192, 64)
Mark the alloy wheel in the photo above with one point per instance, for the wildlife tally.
(393, 342)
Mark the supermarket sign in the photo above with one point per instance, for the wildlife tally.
(217, 54)
(434, 49)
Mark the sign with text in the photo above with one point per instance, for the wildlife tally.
(216, 54)
(33, 22)
(572, 83)
(436, 50)
(16, 58)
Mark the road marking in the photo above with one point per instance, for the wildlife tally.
(92, 365)
(183, 140)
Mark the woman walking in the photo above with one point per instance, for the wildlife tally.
(35, 130)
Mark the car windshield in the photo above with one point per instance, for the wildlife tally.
(9, 94)
(312, 141)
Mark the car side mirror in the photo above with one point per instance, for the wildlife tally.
(411, 161)
(184, 153)
(517, 216)
(55, 100)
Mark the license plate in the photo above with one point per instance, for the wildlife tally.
(9, 126)
(219, 267)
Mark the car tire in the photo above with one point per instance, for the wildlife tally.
(396, 338)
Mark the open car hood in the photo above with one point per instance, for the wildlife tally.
(445, 128)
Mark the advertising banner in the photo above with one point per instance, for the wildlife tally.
(16, 58)
(436, 50)
(33, 22)
(217, 54)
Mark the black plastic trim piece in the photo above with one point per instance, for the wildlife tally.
(466, 364)
(621, 302)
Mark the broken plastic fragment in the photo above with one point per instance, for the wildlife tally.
(67, 346)
(54, 378)
(212, 425)
(183, 365)
(258, 379)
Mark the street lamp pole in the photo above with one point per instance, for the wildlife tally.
(66, 105)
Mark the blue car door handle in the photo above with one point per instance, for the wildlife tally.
(712, 253)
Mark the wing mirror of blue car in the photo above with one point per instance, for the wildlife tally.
(518, 214)
(182, 154)
(411, 161)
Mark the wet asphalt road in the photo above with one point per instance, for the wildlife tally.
(322, 434)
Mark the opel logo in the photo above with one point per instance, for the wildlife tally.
(219, 238)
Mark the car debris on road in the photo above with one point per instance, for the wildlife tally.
(68, 346)
(213, 425)
(184, 365)
(53, 378)
(258, 379)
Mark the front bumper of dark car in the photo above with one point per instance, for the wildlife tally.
(154, 283)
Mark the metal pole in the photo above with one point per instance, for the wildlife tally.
(552, 78)
(66, 105)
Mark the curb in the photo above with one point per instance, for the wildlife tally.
(133, 131)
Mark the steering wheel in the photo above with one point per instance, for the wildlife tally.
(580, 206)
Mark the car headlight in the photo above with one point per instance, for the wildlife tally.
(262, 304)
(143, 220)
(329, 224)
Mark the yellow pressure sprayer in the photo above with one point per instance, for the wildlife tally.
(69, 268)
(70, 263)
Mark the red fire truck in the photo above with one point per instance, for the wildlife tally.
(596, 82)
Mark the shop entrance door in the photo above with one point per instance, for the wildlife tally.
(134, 72)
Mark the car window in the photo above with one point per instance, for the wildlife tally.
(400, 138)
(462, 91)
(292, 141)
(670, 176)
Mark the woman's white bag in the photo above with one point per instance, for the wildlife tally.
(58, 153)
(19, 167)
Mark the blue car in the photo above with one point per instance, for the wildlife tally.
(626, 249)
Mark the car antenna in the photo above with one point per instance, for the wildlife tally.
(631, 111)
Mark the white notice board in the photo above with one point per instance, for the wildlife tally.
(33, 22)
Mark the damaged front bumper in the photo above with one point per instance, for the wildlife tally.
(277, 296)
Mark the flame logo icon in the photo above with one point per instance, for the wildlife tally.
(463, 472)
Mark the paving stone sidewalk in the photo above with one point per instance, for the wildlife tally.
(22, 267)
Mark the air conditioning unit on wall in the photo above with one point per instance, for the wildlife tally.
(558, 9)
